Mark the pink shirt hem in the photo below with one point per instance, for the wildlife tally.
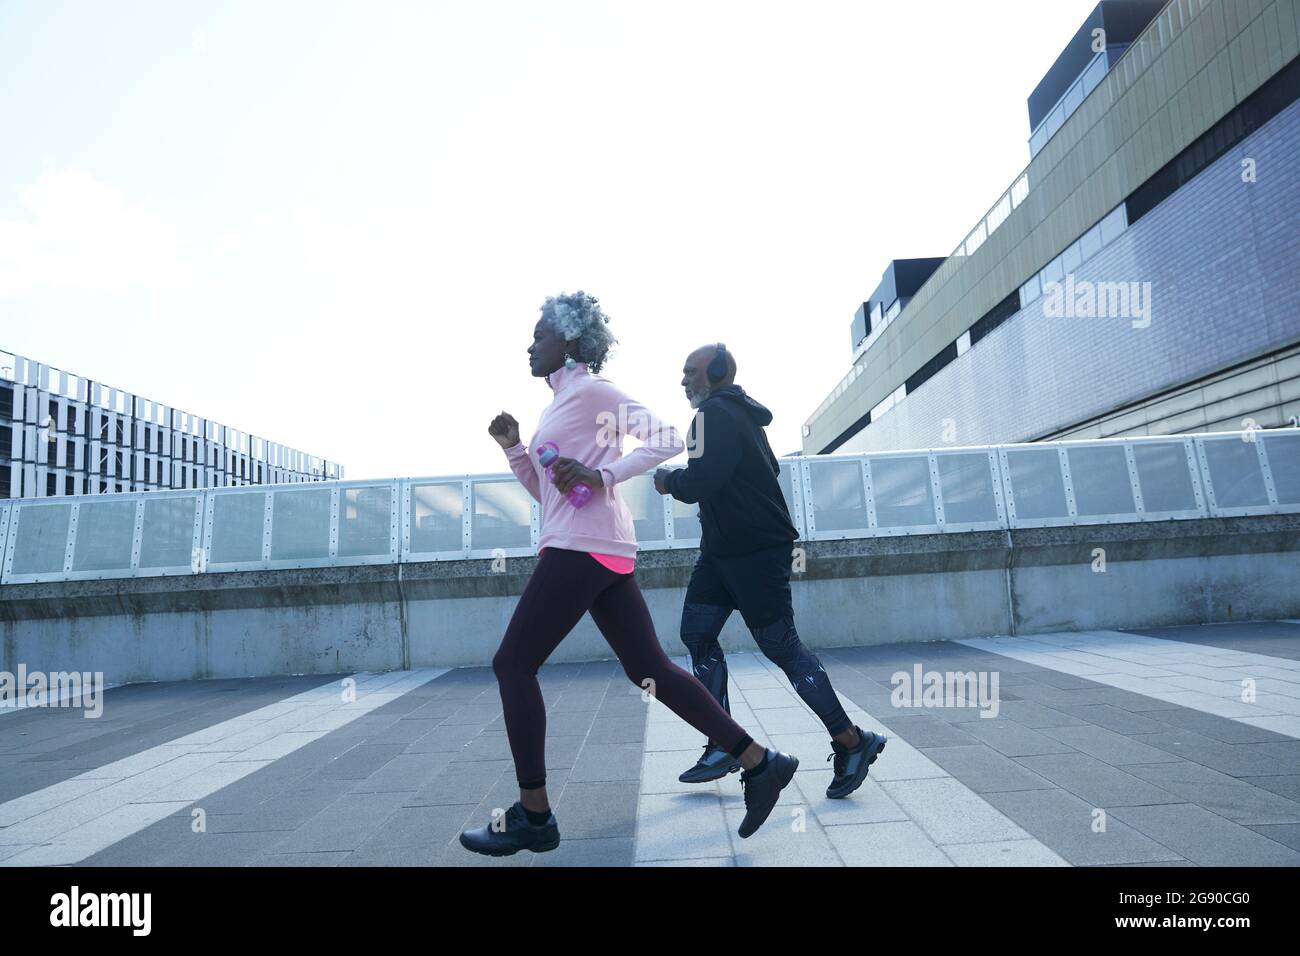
(615, 562)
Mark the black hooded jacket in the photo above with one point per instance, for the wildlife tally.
(733, 476)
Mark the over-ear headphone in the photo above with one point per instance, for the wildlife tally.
(717, 369)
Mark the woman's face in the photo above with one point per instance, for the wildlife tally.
(546, 354)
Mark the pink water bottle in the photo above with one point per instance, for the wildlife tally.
(547, 453)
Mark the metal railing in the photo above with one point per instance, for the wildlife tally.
(482, 516)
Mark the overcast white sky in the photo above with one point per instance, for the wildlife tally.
(332, 224)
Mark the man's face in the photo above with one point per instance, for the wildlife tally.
(695, 376)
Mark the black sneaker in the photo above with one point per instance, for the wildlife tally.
(851, 765)
(714, 764)
(511, 833)
(763, 789)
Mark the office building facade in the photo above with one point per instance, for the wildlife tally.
(1141, 276)
(63, 434)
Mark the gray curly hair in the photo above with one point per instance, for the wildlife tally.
(579, 316)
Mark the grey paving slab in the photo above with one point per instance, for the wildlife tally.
(327, 858)
(949, 812)
(418, 826)
(1284, 785)
(219, 849)
(1227, 796)
(1288, 834)
(57, 744)
(562, 752)
(568, 724)
(1213, 726)
(406, 771)
(76, 844)
(477, 715)
(464, 782)
(148, 847)
(1065, 823)
(885, 844)
(343, 825)
(789, 838)
(445, 738)
(486, 745)
(715, 861)
(407, 729)
(1206, 838)
(618, 707)
(1107, 746)
(951, 715)
(275, 779)
(423, 854)
(1003, 853)
(1117, 719)
(361, 761)
(1273, 638)
(1237, 760)
(604, 851)
(929, 731)
(600, 762)
(290, 809)
(681, 827)
(1014, 740)
(1034, 715)
(868, 804)
(580, 702)
(985, 770)
(1178, 863)
(140, 790)
(1057, 681)
(597, 810)
(617, 730)
(269, 804)
(1097, 783)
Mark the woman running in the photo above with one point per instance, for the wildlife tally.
(586, 559)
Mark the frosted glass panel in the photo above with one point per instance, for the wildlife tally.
(365, 521)
(167, 540)
(1284, 464)
(104, 533)
(501, 515)
(902, 492)
(1099, 475)
(686, 522)
(1235, 473)
(966, 485)
(1164, 477)
(646, 506)
(784, 479)
(237, 521)
(42, 537)
(1037, 487)
(436, 517)
(839, 502)
(300, 525)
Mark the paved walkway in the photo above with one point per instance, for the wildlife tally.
(1174, 746)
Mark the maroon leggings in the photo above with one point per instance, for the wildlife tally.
(565, 586)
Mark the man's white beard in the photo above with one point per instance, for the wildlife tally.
(697, 398)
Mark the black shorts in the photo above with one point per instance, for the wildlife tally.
(756, 584)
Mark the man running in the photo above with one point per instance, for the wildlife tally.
(744, 563)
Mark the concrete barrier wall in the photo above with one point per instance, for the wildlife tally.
(852, 592)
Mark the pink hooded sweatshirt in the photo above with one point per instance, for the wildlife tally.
(587, 420)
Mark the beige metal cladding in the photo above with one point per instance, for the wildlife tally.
(1196, 61)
